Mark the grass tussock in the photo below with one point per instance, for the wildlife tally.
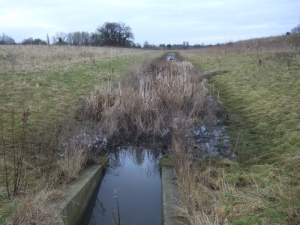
(38, 208)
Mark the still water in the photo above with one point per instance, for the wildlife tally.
(133, 178)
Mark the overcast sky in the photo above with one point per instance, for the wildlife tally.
(155, 21)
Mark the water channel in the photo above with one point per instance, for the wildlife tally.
(134, 177)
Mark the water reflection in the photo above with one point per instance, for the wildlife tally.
(138, 157)
(171, 56)
(134, 175)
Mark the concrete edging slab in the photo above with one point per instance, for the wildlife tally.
(79, 193)
(170, 197)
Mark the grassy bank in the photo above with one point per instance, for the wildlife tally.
(42, 89)
(48, 80)
(261, 97)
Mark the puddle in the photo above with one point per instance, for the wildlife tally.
(134, 175)
(172, 56)
(213, 141)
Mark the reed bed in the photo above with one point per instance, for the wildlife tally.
(149, 102)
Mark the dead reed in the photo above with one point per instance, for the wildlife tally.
(148, 102)
(38, 208)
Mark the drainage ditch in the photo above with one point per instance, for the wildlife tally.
(130, 190)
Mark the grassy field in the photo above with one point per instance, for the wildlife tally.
(49, 82)
(261, 97)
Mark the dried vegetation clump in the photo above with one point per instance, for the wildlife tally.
(149, 102)
(38, 208)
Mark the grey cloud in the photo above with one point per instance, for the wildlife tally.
(158, 21)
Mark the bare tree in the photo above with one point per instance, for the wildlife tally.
(31, 41)
(59, 38)
(78, 38)
(146, 44)
(296, 30)
(95, 39)
(48, 40)
(6, 40)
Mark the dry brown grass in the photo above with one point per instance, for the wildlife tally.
(38, 208)
(149, 101)
(208, 198)
(201, 195)
(38, 58)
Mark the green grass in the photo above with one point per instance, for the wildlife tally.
(249, 221)
(166, 162)
(102, 159)
(263, 107)
(52, 93)
(263, 103)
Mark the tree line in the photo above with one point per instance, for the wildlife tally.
(6, 40)
(108, 34)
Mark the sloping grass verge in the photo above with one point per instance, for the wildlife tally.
(261, 96)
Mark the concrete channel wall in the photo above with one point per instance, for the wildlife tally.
(170, 197)
(79, 193)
